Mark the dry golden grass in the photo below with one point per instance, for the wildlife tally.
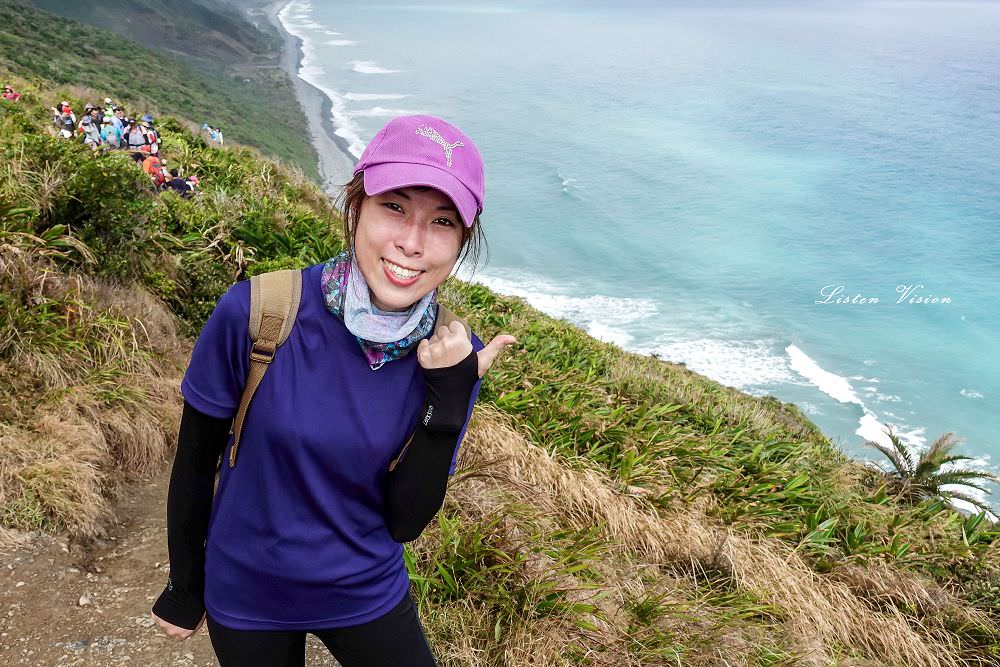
(822, 615)
(81, 425)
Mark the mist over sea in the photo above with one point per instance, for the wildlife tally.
(691, 180)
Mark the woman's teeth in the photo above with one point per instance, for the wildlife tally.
(400, 271)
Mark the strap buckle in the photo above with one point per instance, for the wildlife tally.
(264, 355)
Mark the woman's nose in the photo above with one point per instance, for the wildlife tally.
(411, 239)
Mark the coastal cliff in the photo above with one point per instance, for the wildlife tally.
(609, 508)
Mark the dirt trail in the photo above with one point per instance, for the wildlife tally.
(64, 603)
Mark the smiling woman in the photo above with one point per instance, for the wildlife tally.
(407, 242)
(351, 436)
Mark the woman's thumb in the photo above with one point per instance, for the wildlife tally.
(489, 353)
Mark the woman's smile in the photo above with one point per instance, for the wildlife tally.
(399, 276)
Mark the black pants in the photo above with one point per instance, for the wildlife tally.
(394, 639)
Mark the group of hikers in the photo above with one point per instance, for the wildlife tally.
(109, 127)
(214, 133)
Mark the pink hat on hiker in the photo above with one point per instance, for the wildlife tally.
(425, 150)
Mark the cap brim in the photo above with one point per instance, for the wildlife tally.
(387, 176)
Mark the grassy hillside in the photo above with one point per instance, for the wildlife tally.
(206, 30)
(261, 112)
(609, 508)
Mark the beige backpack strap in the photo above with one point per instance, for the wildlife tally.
(446, 317)
(274, 303)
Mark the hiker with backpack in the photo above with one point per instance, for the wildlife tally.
(10, 95)
(64, 119)
(156, 168)
(110, 133)
(348, 387)
(91, 132)
(147, 126)
(135, 136)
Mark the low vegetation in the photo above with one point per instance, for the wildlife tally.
(255, 105)
(609, 508)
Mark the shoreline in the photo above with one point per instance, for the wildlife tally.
(336, 164)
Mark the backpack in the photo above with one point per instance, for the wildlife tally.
(274, 305)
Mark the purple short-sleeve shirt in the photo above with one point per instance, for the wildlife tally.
(297, 538)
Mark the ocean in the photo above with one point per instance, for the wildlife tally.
(800, 200)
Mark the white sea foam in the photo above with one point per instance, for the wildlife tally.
(458, 9)
(601, 331)
(970, 393)
(831, 384)
(365, 97)
(604, 317)
(382, 112)
(312, 72)
(369, 67)
(341, 42)
(567, 182)
(744, 365)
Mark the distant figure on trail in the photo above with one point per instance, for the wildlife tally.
(214, 133)
(154, 166)
(135, 136)
(151, 138)
(181, 186)
(120, 121)
(10, 95)
(91, 132)
(64, 119)
(110, 133)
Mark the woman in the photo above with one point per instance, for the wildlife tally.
(135, 136)
(91, 132)
(110, 135)
(304, 535)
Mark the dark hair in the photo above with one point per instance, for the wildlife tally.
(353, 195)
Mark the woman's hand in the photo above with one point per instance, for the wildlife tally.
(176, 631)
(450, 345)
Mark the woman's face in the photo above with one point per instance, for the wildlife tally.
(415, 228)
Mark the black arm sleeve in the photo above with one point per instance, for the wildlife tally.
(416, 486)
(200, 443)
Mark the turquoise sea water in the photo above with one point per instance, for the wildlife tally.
(687, 180)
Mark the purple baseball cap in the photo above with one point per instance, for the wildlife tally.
(425, 150)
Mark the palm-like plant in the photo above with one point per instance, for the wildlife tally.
(925, 476)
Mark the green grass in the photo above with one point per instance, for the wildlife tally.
(503, 564)
(262, 112)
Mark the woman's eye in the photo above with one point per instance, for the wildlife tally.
(393, 206)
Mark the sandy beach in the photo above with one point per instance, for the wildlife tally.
(336, 164)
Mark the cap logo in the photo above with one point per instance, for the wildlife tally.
(433, 135)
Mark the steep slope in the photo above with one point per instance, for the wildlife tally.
(260, 111)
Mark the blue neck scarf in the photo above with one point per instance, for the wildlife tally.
(383, 335)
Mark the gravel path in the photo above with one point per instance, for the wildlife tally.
(66, 603)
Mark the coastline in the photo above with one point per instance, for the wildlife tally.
(336, 164)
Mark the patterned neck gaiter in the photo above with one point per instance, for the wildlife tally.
(383, 335)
